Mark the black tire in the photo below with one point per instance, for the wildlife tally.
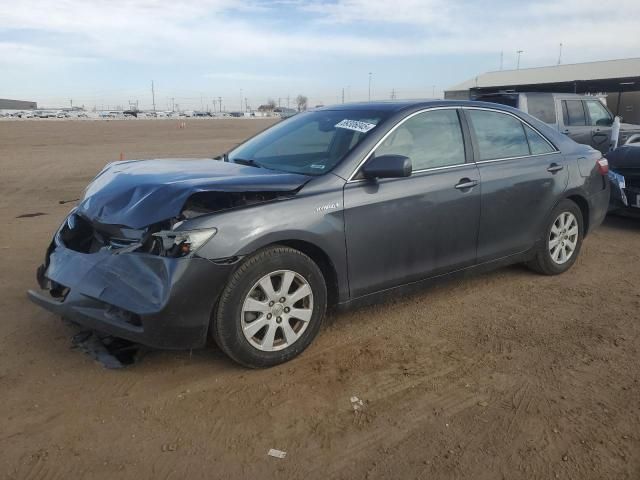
(543, 262)
(226, 328)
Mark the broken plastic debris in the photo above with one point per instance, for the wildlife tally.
(356, 403)
(111, 352)
(276, 453)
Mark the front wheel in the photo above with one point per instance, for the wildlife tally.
(271, 309)
(562, 240)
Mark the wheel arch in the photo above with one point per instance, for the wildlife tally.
(322, 260)
(583, 204)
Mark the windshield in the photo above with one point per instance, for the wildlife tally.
(311, 143)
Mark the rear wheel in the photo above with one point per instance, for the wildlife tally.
(562, 240)
(271, 309)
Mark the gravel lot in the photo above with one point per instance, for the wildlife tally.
(506, 375)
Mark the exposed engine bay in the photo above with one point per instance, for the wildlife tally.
(80, 234)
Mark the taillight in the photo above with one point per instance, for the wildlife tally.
(603, 166)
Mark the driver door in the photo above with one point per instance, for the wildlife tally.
(400, 230)
(601, 121)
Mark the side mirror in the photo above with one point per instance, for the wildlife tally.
(387, 166)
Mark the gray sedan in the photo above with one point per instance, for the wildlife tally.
(340, 206)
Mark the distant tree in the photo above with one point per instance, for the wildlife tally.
(271, 103)
(301, 101)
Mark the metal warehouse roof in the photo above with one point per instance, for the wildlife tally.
(625, 68)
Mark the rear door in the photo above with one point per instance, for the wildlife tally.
(574, 121)
(400, 230)
(522, 174)
(600, 120)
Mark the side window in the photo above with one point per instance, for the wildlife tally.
(542, 106)
(598, 114)
(573, 112)
(499, 135)
(537, 144)
(430, 139)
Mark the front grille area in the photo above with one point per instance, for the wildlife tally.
(82, 236)
(631, 176)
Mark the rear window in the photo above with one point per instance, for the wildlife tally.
(499, 135)
(542, 107)
(537, 144)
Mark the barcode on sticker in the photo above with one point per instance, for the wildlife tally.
(355, 125)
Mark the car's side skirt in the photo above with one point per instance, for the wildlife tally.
(414, 287)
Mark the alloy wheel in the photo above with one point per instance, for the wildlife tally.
(277, 310)
(563, 238)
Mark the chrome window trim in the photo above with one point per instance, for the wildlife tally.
(456, 107)
(517, 158)
(447, 167)
(555, 150)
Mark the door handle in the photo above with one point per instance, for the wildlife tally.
(554, 167)
(466, 183)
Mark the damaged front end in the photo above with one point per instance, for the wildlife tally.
(164, 238)
(125, 263)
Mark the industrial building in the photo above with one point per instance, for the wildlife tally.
(6, 104)
(618, 79)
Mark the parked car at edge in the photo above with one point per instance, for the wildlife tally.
(584, 118)
(340, 206)
(624, 174)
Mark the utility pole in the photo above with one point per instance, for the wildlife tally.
(153, 96)
(71, 103)
(370, 74)
(173, 104)
(288, 98)
(393, 94)
(501, 59)
(519, 52)
(220, 101)
(342, 94)
(433, 91)
(240, 99)
(560, 55)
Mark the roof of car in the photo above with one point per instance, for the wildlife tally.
(399, 105)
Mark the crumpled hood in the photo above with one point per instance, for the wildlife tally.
(138, 193)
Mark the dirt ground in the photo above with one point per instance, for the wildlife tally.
(508, 375)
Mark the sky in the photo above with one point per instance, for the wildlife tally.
(105, 53)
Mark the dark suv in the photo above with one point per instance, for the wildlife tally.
(338, 206)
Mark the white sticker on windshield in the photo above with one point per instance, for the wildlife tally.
(317, 166)
(356, 125)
